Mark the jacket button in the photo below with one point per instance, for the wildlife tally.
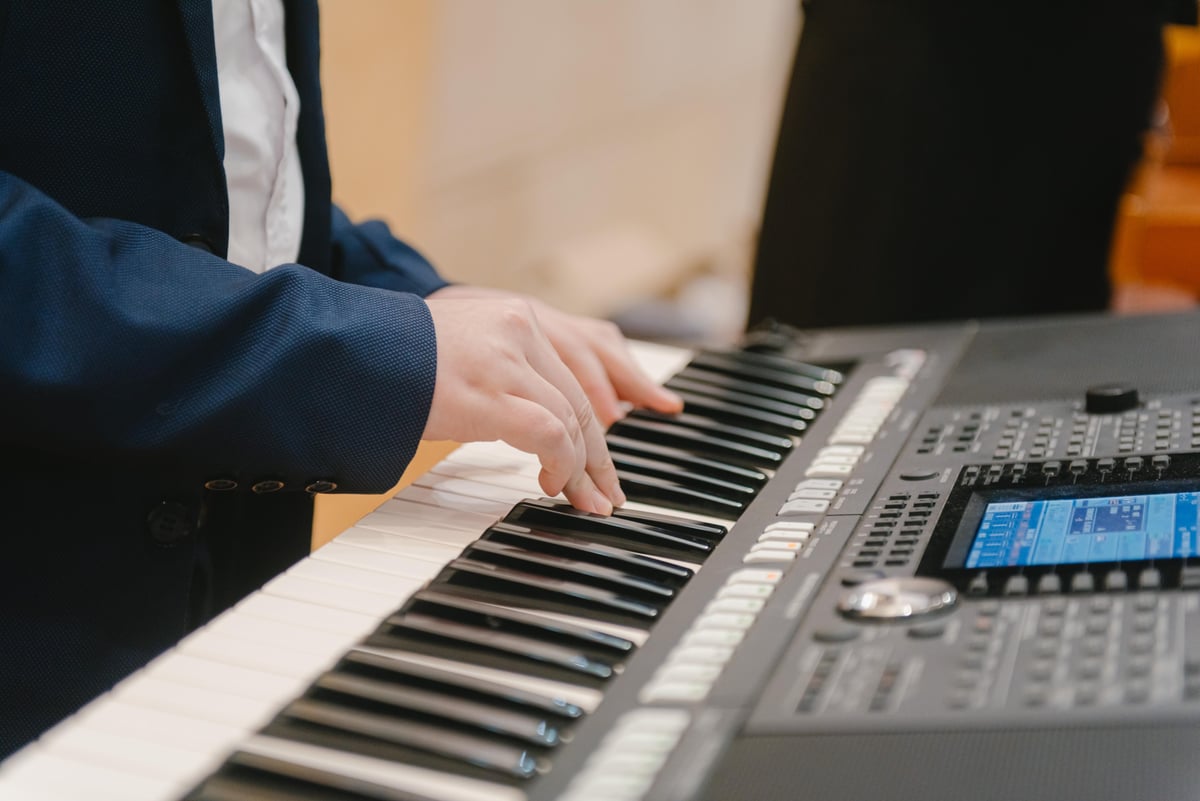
(220, 484)
(320, 486)
(267, 485)
(170, 523)
(200, 242)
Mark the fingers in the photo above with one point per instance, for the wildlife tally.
(623, 375)
(499, 377)
(558, 444)
(598, 470)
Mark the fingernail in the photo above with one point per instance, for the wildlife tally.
(602, 503)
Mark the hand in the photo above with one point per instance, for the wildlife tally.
(596, 353)
(498, 377)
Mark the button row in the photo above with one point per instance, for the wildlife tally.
(629, 757)
(690, 670)
(869, 411)
(834, 461)
(780, 542)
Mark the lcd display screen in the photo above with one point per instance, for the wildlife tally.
(1071, 530)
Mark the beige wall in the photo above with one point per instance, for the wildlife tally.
(589, 151)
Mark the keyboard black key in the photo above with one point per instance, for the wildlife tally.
(406, 742)
(674, 495)
(383, 696)
(804, 411)
(764, 361)
(562, 567)
(383, 665)
(784, 379)
(696, 377)
(473, 643)
(745, 416)
(688, 541)
(659, 469)
(579, 546)
(712, 427)
(678, 436)
(691, 463)
(514, 619)
(254, 777)
(572, 597)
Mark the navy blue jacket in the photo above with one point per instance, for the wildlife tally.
(148, 387)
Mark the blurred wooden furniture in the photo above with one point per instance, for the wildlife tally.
(336, 513)
(1156, 252)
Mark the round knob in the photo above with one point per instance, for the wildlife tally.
(1111, 399)
(897, 599)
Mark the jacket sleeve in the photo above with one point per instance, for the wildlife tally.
(368, 254)
(125, 346)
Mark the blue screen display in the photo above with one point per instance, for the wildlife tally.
(1125, 528)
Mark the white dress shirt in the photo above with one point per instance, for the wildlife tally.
(259, 108)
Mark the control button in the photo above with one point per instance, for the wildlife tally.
(745, 590)
(825, 470)
(682, 691)
(220, 484)
(266, 486)
(1137, 692)
(820, 483)
(783, 536)
(1189, 578)
(1160, 462)
(919, 475)
(988, 608)
(803, 506)
(1116, 581)
(813, 494)
(1054, 606)
(1083, 582)
(1149, 579)
(1086, 694)
(1016, 585)
(836, 634)
(754, 577)
(320, 487)
(927, 631)
(1051, 469)
(897, 598)
(1049, 584)
(728, 638)
(1078, 467)
(702, 654)
(748, 606)
(1110, 399)
(978, 585)
(683, 673)
(860, 577)
(1106, 465)
(791, 525)
(724, 620)
(768, 556)
(1134, 463)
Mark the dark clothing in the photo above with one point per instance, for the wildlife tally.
(950, 160)
(138, 366)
